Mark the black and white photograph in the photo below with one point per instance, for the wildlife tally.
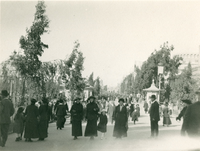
(100, 75)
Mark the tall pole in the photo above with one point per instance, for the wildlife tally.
(159, 87)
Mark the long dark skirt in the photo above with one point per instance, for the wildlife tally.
(120, 129)
(43, 129)
(60, 121)
(167, 120)
(76, 128)
(91, 128)
(31, 129)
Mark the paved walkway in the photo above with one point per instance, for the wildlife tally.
(169, 139)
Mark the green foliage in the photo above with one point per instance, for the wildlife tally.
(183, 86)
(29, 63)
(71, 71)
(149, 70)
(97, 87)
(91, 79)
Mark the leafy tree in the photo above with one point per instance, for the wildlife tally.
(29, 64)
(149, 70)
(97, 87)
(91, 79)
(183, 86)
(71, 71)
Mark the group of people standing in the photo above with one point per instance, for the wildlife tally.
(33, 121)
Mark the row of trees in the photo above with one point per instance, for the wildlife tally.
(176, 85)
(27, 76)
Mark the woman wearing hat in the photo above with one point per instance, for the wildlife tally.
(185, 103)
(43, 119)
(31, 125)
(121, 118)
(77, 116)
(60, 113)
(91, 116)
(166, 115)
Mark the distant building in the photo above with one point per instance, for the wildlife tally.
(194, 60)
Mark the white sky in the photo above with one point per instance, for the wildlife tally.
(112, 34)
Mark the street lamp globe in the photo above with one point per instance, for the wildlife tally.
(160, 68)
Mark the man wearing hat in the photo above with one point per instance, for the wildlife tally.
(192, 118)
(154, 116)
(7, 112)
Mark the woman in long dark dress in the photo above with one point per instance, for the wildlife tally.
(121, 118)
(31, 125)
(91, 116)
(60, 113)
(43, 120)
(77, 116)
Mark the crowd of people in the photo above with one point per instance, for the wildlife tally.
(32, 122)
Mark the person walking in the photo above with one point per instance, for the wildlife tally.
(77, 117)
(138, 109)
(31, 124)
(192, 118)
(7, 110)
(166, 115)
(121, 118)
(154, 116)
(19, 120)
(146, 107)
(91, 116)
(111, 108)
(60, 113)
(43, 119)
(102, 126)
(134, 116)
(132, 109)
(185, 103)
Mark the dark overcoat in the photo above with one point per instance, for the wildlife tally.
(191, 123)
(7, 111)
(154, 112)
(91, 116)
(77, 116)
(31, 124)
(120, 118)
(132, 108)
(60, 113)
(102, 126)
(43, 121)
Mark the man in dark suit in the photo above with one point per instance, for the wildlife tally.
(6, 113)
(192, 118)
(154, 116)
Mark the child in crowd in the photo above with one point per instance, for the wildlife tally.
(102, 126)
(19, 123)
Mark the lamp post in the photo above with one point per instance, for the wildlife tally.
(160, 72)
